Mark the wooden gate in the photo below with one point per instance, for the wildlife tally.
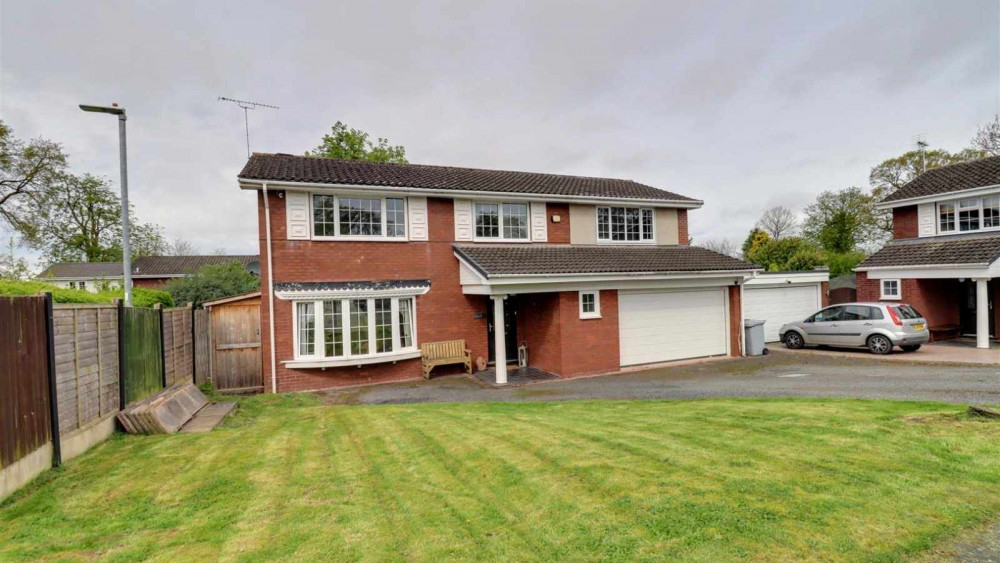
(142, 353)
(236, 360)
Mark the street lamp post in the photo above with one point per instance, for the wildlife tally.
(126, 248)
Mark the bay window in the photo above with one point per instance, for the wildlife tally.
(336, 216)
(624, 224)
(501, 221)
(354, 328)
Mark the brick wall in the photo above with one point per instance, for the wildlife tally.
(824, 288)
(444, 313)
(682, 226)
(540, 326)
(904, 222)
(560, 342)
(558, 232)
(937, 300)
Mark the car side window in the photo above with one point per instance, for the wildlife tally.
(828, 314)
(857, 313)
(876, 314)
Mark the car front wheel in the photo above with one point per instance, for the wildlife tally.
(793, 340)
(879, 344)
(910, 347)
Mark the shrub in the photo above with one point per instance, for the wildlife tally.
(141, 297)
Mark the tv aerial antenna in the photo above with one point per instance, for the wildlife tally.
(921, 143)
(246, 106)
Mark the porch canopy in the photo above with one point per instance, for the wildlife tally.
(974, 257)
(499, 270)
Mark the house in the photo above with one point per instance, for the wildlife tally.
(148, 271)
(944, 258)
(362, 263)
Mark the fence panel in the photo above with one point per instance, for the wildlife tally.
(236, 363)
(177, 344)
(143, 371)
(86, 351)
(202, 346)
(24, 385)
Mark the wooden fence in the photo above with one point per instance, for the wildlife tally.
(202, 346)
(141, 353)
(236, 361)
(178, 345)
(86, 354)
(25, 407)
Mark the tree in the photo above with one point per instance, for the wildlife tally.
(354, 144)
(778, 222)
(787, 254)
(78, 218)
(844, 221)
(181, 247)
(26, 168)
(753, 241)
(891, 174)
(13, 268)
(987, 139)
(842, 263)
(722, 246)
(213, 282)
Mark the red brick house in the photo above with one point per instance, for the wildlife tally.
(361, 263)
(944, 258)
(153, 272)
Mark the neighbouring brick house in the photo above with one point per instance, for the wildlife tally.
(944, 258)
(364, 262)
(148, 271)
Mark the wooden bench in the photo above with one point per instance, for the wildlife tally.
(944, 332)
(444, 353)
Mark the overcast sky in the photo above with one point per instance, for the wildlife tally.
(742, 104)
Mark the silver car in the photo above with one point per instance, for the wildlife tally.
(877, 326)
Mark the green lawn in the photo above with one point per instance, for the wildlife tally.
(289, 478)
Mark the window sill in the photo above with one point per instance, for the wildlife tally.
(358, 238)
(500, 240)
(589, 317)
(891, 298)
(629, 242)
(348, 362)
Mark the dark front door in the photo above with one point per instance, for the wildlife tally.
(510, 328)
(967, 307)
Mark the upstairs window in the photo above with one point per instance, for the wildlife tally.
(624, 224)
(358, 217)
(946, 214)
(968, 215)
(991, 212)
(502, 221)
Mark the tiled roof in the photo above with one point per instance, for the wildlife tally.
(952, 178)
(84, 270)
(954, 249)
(380, 285)
(523, 259)
(289, 168)
(184, 265)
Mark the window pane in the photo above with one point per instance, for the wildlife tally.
(857, 313)
(359, 326)
(631, 223)
(323, 210)
(947, 216)
(515, 221)
(991, 212)
(588, 302)
(603, 226)
(383, 325)
(333, 328)
(647, 224)
(359, 216)
(890, 287)
(968, 219)
(405, 323)
(830, 314)
(617, 223)
(487, 220)
(395, 218)
(307, 328)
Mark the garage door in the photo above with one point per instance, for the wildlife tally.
(780, 305)
(664, 326)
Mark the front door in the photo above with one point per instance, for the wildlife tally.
(967, 308)
(510, 329)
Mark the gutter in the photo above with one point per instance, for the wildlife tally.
(682, 203)
(270, 291)
(925, 266)
(934, 197)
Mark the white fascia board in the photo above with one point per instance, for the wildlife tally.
(960, 194)
(312, 294)
(789, 278)
(587, 285)
(943, 271)
(247, 184)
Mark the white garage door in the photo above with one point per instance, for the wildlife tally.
(780, 305)
(664, 326)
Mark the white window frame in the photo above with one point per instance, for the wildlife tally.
(336, 217)
(957, 209)
(596, 313)
(609, 240)
(899, 289)
(500, 220)
(348, 357)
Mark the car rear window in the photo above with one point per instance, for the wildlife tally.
(907, 312)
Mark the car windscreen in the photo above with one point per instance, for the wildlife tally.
(907, 312)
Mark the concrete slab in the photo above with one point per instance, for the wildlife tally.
(208, 418)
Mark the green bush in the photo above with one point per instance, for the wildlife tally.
(841, 263)
(141, 297)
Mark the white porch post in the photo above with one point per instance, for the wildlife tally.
(982, 314)
(499, 340)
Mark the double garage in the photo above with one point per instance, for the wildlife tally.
(663, 326)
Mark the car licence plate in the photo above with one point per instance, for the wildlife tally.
(919, 326)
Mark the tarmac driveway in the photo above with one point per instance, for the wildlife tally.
(781, 374)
